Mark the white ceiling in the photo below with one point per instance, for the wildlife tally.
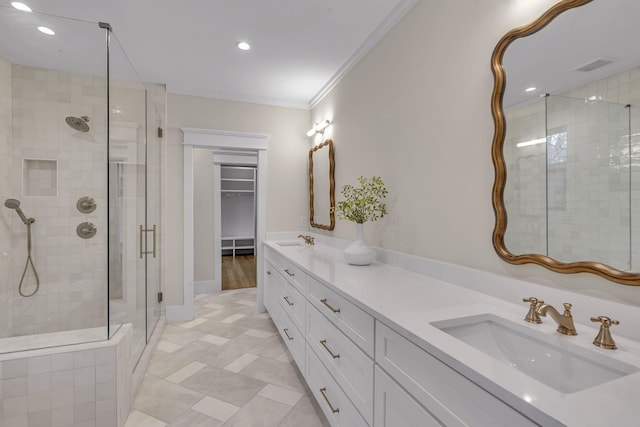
(547, 59)
(300, 48)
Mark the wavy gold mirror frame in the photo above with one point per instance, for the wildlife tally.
(497, 155)
(332, 198)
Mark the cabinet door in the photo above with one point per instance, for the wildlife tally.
(394, 407)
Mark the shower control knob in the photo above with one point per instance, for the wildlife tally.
(86, 230)
(86, 204)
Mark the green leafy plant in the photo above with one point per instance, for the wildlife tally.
(364, 203)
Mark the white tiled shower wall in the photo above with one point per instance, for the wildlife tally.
(82, 385)
(527, 223)
(72, 270)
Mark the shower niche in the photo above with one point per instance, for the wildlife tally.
(39, 177)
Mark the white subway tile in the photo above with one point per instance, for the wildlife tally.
(84, 394)
(61, 362)
(38, 383)
(14, 387)
(84, 412)
(84, 376)
(39, 401)
(61, 417)
(14, 368)
(62, 397)
(15, 406)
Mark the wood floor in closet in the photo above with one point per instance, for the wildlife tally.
(238, 272)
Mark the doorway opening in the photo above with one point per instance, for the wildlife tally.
(238, 225)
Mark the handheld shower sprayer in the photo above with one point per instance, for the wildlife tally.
(15, 204)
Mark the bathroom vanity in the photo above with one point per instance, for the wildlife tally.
(386, 347)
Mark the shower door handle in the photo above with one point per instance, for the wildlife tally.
(142, 241)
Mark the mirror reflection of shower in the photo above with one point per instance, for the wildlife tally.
(78, 123)
(15, 204)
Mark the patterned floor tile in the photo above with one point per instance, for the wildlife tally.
(215, 408)
(226, 368)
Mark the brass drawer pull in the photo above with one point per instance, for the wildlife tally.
(323, 390)
(287, 300)
(335, 310)
(286, 270)
(326, 347)
(286, 332)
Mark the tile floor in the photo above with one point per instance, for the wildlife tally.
(226, 368)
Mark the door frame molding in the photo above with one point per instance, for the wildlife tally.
(217, 141)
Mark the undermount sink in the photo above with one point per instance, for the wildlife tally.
(290, 243)
(562, 366)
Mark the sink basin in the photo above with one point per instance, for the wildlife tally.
(290, 243)
(560, 365)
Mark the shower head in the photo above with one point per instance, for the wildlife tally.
(78, 123)
(15, 204)
(12, 203)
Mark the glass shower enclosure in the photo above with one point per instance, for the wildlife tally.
(569, 188)
(80, 164)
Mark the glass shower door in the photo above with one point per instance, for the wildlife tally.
(588, 181)
(153, 161)
(127, 197)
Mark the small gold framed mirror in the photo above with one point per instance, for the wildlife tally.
(322, 186)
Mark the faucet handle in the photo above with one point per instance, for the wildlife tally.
(567, 309)
(604, 339)
(532, 316)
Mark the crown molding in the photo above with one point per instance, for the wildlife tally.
(385, 26)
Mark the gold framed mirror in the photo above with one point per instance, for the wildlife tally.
(557, 247)
(322, 186)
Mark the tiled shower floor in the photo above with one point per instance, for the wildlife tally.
(228, 367)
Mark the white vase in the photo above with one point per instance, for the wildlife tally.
(359, 253)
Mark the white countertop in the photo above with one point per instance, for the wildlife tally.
(409, 302)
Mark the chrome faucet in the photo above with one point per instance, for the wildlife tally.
(564, 320)
(309, 240)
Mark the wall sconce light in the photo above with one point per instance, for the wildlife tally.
(318, 128)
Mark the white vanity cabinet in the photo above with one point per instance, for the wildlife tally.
(277, 288)
(445, 394)
(361, 371)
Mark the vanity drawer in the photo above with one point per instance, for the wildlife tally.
(334, 402)
(351, 320)
(294, 275)
(291, 335)
(347, 363)
(446, 394)
(289, 270)
(292, 303)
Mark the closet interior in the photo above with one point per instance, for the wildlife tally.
(238, 208)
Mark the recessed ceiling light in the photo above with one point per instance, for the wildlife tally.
(243, 45)
(47, 31)
(21, 6)
(530, 89)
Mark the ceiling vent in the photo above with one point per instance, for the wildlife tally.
(594, 64)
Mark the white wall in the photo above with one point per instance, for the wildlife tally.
(287, 184)
(416, 111)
